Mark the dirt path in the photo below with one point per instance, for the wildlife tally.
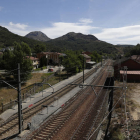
(133, 98)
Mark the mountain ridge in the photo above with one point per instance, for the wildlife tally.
(72, 35)
(37, 35)
(69, 41)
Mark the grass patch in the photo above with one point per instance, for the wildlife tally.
(117, 135)
(38, 69)
(9, 93)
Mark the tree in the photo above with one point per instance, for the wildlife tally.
(43, 61)
(39, 48)
(73, 61)
(12, 58)
(95, 56)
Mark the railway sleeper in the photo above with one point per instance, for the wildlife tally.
(11, 124)
(39, 138)
(43, 135)
(55, 124)
(2, 129)
(60, 118)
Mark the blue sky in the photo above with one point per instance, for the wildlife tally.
(113, 21)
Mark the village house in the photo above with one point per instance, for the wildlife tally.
(87, 58)
(53, 57)
(133, 69)
(136, 57)
(35, 61)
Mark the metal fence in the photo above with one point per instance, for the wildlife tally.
(25, 94)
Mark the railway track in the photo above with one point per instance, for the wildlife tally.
(92, 118)
(29, 112)
(52, 126)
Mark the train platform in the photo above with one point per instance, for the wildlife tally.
(57, 105)
(29, 102)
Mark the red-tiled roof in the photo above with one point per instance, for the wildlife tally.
(32, 58)
(50, 53)
(130, 72)
(136, 57)
(86, 56)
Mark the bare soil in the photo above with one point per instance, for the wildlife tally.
(133, 99)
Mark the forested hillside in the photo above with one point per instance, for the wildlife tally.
(7, 38)
(70, 41)
(77, 41)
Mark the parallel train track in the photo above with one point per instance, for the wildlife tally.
(27, 113)
(92, 118)
(52, 126)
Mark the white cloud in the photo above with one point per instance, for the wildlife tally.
(85, 20)
(18, 25)
(127, 34)
(60, 28)
(122, 35)
(18, 28)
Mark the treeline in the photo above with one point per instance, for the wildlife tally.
(10, 59)
(7, 39)
(73, 62)
(129, 51)
(79, 44)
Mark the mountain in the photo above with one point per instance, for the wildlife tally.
(7, 38)
(125, 45)
(78, 41)
(70, 41)
(37, 35)
(75, 36)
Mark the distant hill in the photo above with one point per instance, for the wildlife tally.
(125, 45)
(75, 36)
(37, 35)
(78, 41)
(71, 41)
(7, 38)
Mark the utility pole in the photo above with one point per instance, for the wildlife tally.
(20, 118)
(59, 70)
(19, 102)
(83, 67)
(101, 61)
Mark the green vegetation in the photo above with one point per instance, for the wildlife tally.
(129, 51)
(95, 57)
(79, 44)
(117, 135)
(43, 61)
(39, 48)
(41, 68)
(11, 59)
(73, 61)
(70, 41)
(7, 39)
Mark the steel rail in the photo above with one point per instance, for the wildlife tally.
(42, 102)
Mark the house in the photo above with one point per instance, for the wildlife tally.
(53, 57)
(7, 48)
(133, 69)
(35, 61)
(89, 63)
(87, 53)
(136, 57)
(87, 58)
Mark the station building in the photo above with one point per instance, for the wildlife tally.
(133, 69)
